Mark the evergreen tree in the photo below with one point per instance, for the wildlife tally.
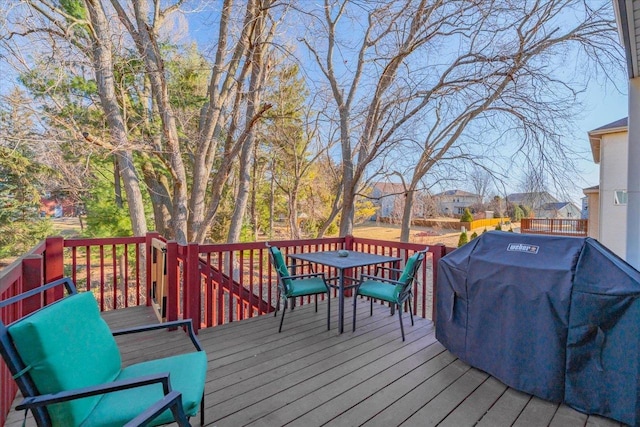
(466, 216)
(464, 239)
(20, 224)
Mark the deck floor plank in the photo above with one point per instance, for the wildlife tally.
(538, 412)
(308, 376)
(476, 404)
(345, 376)
(445, 402)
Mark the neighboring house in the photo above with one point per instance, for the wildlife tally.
(562, 210)
(608, 201)
(389, 198)
(454, 202)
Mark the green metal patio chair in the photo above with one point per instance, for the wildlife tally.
(298, 285)
(67, 365)
(395, 292)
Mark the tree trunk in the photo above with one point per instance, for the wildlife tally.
(117, 188)
(255, 89)
(407, 214)
(272, 195)
(293, 214)
(103, 67)
(160, 196)
(150, 51)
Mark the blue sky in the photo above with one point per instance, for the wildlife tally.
(603, 104)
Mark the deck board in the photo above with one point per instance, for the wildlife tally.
(308, 376)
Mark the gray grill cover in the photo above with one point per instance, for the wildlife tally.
(556, 317)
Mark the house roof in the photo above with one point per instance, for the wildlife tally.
(553, 206)
(528, 197)
(595, 135)
(557, 206)
(457, 193)
(591, 190)
(389, 187)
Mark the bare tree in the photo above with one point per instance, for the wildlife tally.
(190, 199)
(480, 180)
(443, 67)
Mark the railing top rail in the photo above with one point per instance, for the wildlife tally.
(13, 271)
(219, 247)
(399, 245)
(158, 243)
(82, 241)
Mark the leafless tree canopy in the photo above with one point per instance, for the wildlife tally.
(411, 88)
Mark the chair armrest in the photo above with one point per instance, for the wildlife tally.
(395, 270)
(165, 325)
(172, 401)
(380, 279)
(302, 276)
(64, 396)
(306, 264)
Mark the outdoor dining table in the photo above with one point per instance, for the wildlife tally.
(353, 259)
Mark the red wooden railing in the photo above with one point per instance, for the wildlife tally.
(554, 226)
(212, 284)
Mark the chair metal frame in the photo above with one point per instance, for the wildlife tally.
(284, 294)
(404, 295)
(37, 402)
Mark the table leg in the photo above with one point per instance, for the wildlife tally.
(341, 301)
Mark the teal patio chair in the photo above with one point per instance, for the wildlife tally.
(67, 365)
(395, 292)
(292, 286)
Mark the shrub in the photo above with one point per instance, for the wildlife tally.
(474, 235)
(464, 239)
(499, 227)
(518, 214)
(466, 216)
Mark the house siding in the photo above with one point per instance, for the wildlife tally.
(613, 176)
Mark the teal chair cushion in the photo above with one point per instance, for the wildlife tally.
(280, 265)
(407, 273)
(380, 290)
(64, 352)
(187, 374)
(309, 286)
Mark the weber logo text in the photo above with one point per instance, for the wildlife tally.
(522, 247)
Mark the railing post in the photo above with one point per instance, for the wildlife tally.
(192, 286)
(32, 277)
(173, 295)
(148, 248)
(348, 243)
(439, 252)
(54, 266)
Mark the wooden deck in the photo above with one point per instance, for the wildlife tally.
(308, 376)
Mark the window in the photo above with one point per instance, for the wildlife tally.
(620, 197)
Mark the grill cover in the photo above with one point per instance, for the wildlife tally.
(556, 317)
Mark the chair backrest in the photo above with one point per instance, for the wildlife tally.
(410, 269)
(281, 267)
(64, 345)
